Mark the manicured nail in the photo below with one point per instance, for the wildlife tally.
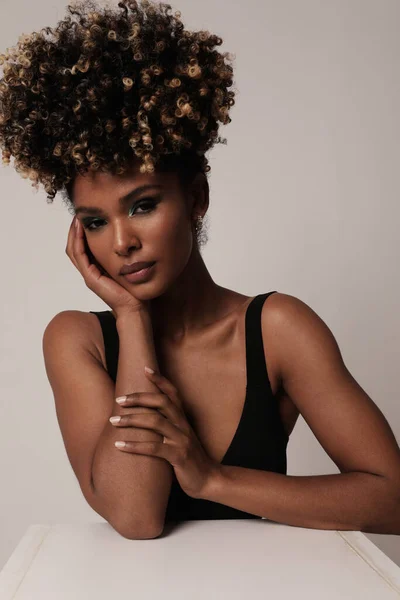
(121, 399)
(114, 419)
(120, 444)
(148, 370)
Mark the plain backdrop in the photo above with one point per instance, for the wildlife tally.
(304, 200)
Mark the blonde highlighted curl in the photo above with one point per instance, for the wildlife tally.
(110, 86)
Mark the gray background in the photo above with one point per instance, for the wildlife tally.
(304, 200)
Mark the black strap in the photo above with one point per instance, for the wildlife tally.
(257, 375)
(111, 340)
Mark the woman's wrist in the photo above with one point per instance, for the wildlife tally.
(131, 314)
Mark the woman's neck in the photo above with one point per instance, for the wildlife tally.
(192, 302)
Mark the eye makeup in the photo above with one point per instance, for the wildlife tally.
(147, 204)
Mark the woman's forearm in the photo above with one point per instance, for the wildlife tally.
(135, 487)
(355, 501)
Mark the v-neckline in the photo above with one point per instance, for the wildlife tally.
(245, 402)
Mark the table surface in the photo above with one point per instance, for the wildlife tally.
(195, 560)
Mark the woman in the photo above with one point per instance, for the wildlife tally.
(116, 111)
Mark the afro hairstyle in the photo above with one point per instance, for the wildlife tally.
(109, 87)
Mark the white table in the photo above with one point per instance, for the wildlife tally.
(193, 560)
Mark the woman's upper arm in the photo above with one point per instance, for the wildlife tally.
(345, 420)
(83, 392)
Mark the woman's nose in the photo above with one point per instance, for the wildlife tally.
(124, 242)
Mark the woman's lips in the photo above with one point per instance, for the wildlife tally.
(141, 275)
(136, 266)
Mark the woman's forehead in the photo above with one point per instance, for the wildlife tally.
(102, 182)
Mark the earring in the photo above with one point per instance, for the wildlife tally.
(198, 223)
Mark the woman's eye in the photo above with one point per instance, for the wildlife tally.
(146, 205)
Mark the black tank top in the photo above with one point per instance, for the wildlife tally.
(260, 439)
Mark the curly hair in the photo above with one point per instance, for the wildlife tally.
(107, 87)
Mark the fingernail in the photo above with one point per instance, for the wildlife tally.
(121, 399)
(148, 370)
(114, 419)
(120, 444)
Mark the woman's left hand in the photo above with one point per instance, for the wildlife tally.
(194, 469)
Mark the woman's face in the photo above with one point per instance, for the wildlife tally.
(136, 217)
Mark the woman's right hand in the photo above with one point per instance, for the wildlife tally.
(113, 294)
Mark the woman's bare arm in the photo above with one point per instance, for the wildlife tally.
(143, 482)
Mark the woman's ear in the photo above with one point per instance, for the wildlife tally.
(200, 193)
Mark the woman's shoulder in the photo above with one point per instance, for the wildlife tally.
(281, 306)
(85, 327)
(283, 311)
(290, 326)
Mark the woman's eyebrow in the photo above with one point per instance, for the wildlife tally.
(93, 210)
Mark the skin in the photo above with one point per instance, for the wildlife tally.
(182, 294)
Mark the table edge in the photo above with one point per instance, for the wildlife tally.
(19, 562)
(374, 557)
